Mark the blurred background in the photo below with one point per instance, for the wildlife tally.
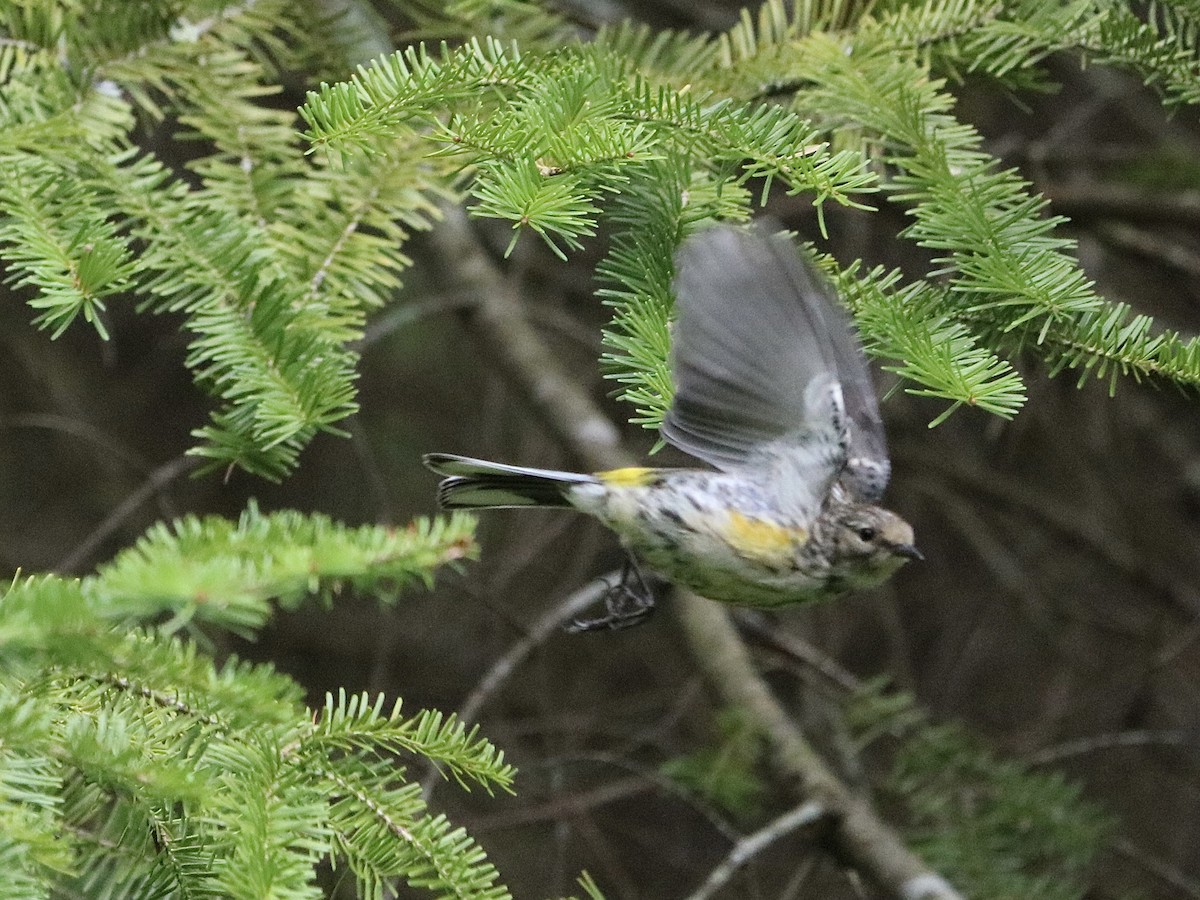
(1057, 614)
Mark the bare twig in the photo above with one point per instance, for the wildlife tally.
(569, 805)
(665, 784)
(550, 623)
(404, 315)
(81, 430)
(797, 648)
(1065, 519)
(497, 320)
(861, 837)
(502, 669)
(1095, 743)
(155, 482)
(1169, 875)
(753, 844)
(1153, 245)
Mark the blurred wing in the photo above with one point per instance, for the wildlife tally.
(867, 465)
(803, 465)
(756, 328)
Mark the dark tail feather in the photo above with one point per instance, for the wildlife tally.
(499, 491)
(479, 484)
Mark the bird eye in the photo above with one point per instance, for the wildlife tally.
(866, 534)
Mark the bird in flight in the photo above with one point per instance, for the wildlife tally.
(773, 392)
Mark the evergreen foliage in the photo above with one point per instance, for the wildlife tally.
(271, 258)
(833, 99)
(725, 773)
(133, 766)
(231, 575)
(996, 828)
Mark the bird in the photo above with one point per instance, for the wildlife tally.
(773, 393)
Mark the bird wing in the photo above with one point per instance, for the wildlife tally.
(766, 364)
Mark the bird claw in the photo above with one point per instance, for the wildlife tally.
(626, 603)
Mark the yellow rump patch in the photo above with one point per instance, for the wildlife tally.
(634, 476)
(761, 540)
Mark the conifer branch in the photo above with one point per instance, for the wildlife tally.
(1012, 283)
(231, 574)
(135, 766)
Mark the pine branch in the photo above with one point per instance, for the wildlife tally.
(279, 812)
(950, 784)
(134, 766)
(917, 326)
(354, 723)
(273, 260)
(638, 272)
(213, 570)
(129, 760)
(548, 136)
(61, 242)
(383, 833)
(1012, 282)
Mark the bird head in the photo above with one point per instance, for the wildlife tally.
(868, 543)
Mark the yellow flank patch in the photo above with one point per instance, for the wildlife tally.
(761, 540)
(634, 476)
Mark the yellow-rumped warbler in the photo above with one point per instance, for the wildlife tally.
(773, 390)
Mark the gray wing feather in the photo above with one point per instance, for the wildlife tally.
(756, 326)
(868, 467)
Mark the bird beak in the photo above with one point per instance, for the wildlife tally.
(908, 551)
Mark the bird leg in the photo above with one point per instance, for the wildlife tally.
(626, 603)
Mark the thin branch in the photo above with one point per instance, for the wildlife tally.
(569, 805)
(502, 669)
(753, 844)
(80, 429)
(155, 482)
(863, 838)
(1049, 756)
(796, 648)
(499, 323)
(1165, 873)
(549, 624)
(402, 315)
(1151, 244)
(665, 784)
(1068, 521)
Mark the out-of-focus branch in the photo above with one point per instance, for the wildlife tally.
(747, 848)
(154, 482)
(1168, 875)
(1117, 740)
(859, 836)
(753, 622)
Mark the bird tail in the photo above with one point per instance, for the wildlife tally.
(479, 484)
